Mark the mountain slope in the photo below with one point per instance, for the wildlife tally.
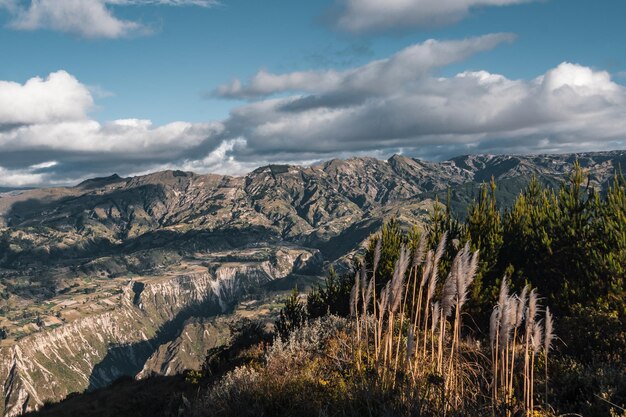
(117, 271)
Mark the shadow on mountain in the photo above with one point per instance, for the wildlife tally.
(55, 212)
(103, 221)
(125, 397)
(349, 239)
(496, 170)
(99, 182)
(130, 359)
(302, 282)
(176, 242)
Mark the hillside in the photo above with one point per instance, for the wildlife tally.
(121, 275)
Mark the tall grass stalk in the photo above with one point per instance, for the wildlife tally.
(418, 340)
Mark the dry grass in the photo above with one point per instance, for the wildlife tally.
(418, 339)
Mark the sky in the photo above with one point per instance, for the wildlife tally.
(94, 87)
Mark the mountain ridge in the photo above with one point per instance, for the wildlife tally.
(458, 160)
(302, 205)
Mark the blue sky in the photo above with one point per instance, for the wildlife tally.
(165, 63)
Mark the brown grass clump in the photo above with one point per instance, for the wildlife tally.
(418, 341)
(300, 376)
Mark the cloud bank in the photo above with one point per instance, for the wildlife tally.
(358, 16)
(86, 18)
(393, 105)
(46, 120)
(377, 77)
(568, 108)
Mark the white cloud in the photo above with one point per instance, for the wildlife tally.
(397, 104)
(45, 125)
(20, 177)
(222, 159)
(87, 18)
(569, 108)
(137, 139)
(44, 165)
(376, 15)
(376, 77)
(59, 97)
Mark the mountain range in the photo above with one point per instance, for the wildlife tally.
(138, 276)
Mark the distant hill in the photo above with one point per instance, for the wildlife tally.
(10, 189)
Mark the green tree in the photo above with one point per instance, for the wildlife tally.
(392, 238)
(331, 297)
(292, 316)
(485, 232)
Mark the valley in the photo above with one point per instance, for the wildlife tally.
(141, 276)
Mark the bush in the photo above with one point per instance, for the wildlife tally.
(593, 390)
(245, 334)
(292, 378)
(292, 316)
(331, 297)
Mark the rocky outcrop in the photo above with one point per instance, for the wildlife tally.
(189, 349)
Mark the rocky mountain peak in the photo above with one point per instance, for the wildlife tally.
(100, 182)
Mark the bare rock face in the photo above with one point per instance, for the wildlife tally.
(51, 364)
(189, 349)
(126, 276)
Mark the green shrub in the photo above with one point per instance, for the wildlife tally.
(292, 316)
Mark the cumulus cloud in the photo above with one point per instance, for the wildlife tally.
(87, 18)
(394, 105)
(131, 138)
(359, 16)
(20, 177)
(59, 97)
(381, 108)
(222, 159)
(381, 76)
(45, 126)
